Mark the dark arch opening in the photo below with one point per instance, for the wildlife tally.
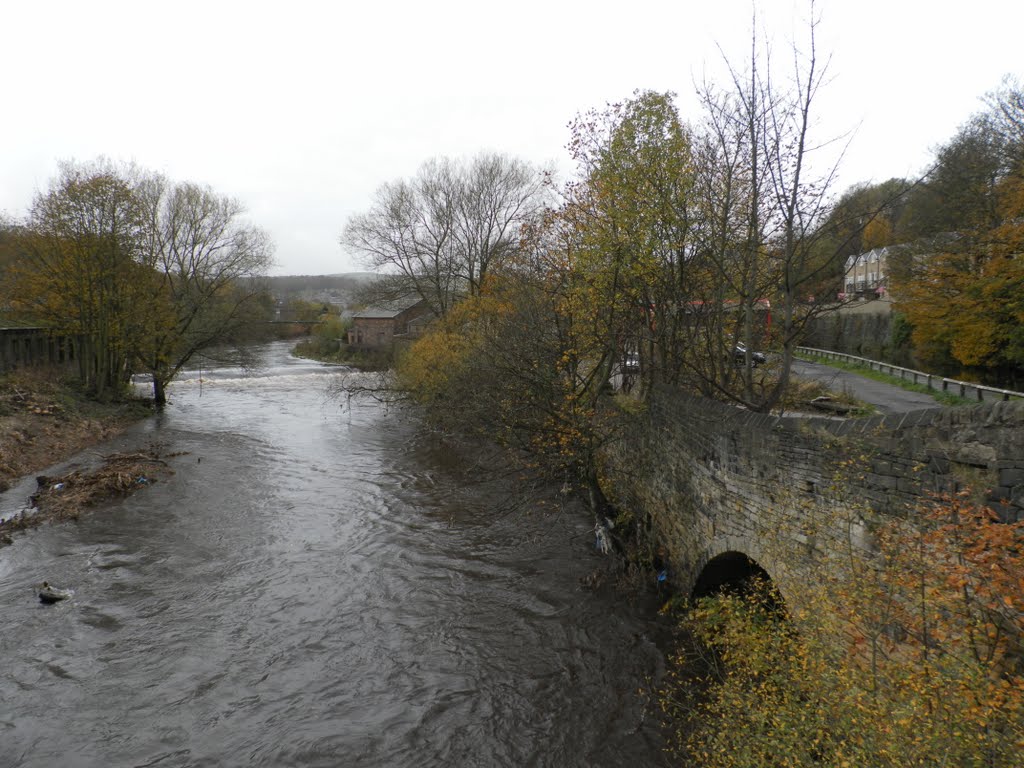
(730, 572)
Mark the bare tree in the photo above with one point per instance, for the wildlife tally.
(441, 232)
(761, 235)
(200, 252)
(498, 195)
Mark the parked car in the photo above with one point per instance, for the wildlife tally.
(740, 356)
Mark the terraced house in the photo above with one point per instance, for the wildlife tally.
(866, 274)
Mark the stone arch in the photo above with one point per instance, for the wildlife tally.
(729, 570)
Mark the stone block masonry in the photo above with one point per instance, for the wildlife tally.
(714, 479)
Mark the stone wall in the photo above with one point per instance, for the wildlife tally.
(712, 478)
(876, 335)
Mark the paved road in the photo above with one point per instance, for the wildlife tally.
(887, 398)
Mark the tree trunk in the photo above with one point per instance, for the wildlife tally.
(159, 393)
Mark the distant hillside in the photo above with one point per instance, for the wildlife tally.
(334, 289)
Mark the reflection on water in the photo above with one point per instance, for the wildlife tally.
(317, 586)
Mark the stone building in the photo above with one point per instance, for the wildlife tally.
(378, 327)
(866, 274)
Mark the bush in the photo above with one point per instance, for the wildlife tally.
(328, 342)
(911, 658)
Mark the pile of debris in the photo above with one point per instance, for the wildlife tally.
(66, 496)
(121, 474)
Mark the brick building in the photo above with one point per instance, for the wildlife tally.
(377, 327)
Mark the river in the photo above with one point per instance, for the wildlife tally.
(319, 584)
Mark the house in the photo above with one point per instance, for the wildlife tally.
(866, 274)
(378, 327)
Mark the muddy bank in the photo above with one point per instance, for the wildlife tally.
(44, 420)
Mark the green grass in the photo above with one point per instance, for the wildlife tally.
(945, 398)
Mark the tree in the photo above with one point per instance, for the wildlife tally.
(147, 272)
(961, 287)
(760, 235)
(510, 365)
(11, 239)
(527, 358)
(867, 216)
(442, 232)
(201, 256)
(627, 224)
(958, 194)
(83, 272)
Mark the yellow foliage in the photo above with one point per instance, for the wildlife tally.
(911, 659)
(968, 302)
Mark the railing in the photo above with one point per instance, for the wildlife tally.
(936, 383)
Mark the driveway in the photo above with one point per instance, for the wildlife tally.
(887, 398)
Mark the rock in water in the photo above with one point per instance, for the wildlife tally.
(50, 594)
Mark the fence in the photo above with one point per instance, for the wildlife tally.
(24, 347)
(965, 389)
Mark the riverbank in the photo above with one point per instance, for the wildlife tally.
(44, 420)
(363, 360)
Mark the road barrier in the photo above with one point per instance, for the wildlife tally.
(964, 389)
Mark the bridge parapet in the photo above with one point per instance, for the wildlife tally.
(715, 479)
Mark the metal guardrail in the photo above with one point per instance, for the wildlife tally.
(937, 383)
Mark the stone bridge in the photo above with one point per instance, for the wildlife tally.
(717, 482)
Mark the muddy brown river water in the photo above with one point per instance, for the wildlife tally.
(318, 585)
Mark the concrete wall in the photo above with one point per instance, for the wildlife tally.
(715, 479)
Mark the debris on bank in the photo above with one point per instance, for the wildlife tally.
(65, 497)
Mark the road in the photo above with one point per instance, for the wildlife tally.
(887, 398)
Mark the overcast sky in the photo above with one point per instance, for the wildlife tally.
(302, 109)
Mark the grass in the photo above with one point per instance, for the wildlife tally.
(945, 398)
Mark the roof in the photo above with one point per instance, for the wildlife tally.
(387, 311)
(376, 313)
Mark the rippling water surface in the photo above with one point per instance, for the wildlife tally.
(317, 586)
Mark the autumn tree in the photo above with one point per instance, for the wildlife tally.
(624, 228)
(11, 236)
(146, 272)
(905, 653)
(438, 235)
(527, 359)
(83, 273)
(961, 286)
(867, 216)
(511, 365)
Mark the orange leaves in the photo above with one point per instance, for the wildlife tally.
(911, 658)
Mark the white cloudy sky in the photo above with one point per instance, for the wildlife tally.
(302, 108)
